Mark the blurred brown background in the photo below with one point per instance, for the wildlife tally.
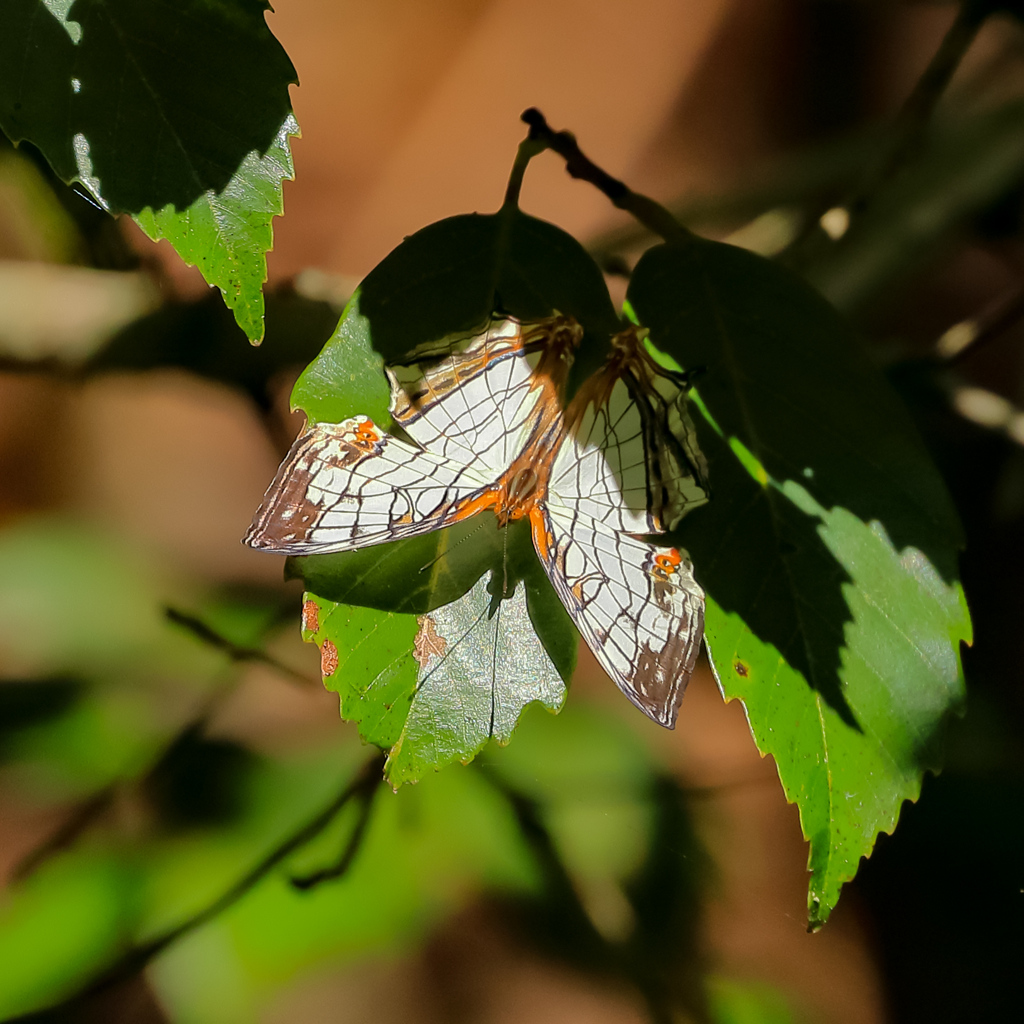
(410, 112)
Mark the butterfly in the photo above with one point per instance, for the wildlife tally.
(479, 425)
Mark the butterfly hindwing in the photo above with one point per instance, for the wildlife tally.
(471, 399)
(637, 606)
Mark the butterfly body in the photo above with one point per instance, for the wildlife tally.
(489, 433)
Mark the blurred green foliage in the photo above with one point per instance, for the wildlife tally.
(574, 832)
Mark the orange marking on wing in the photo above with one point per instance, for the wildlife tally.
(666, 565)
(469, 507)
(543, 541)
(367, 436)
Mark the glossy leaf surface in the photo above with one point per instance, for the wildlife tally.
(426, 723)
(176, 113)
(828, 552)
(227, 234)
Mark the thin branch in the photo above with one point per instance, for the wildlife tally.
(528, 149)
(235, 652)
(916, 113)
(365, 794)
(82, 815)
(968, 336)
(909, 126)
(135, 959)
(651, 214)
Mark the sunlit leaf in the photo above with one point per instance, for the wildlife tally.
(828, 552)
(177, 113)
(435, 688)
(227, 234)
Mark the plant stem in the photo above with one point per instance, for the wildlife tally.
(365, 795)
(235, 652)
(651, 214)
(136, 958)
(528, 149)
(916, 113)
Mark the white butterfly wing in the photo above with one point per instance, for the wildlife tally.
(628, 465)
(637, 606)
(472, 399)
(630, 455)
(349, 485)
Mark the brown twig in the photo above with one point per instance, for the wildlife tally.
(82, 815)
(235, 652)
(136, 958)
(651, 214)
(365, 794)
(968, 336)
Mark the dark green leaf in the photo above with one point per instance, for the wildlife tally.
(177, 113)
(825, 614)
(159, 101)
(783, 373)
(450, 276)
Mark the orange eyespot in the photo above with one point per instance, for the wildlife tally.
(366, 433)
(667, 564)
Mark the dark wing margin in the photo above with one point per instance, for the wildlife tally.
(637, 606)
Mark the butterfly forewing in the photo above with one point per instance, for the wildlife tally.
(634, 414)
(472, 399)
(348, 485)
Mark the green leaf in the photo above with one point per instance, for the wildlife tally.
(823, 552)
(486, 664)
(227, 235)
(481, 664)
(453, 274)
(161, 102)
(177, 113)
(347, 378)
(784, 374)
(852, 746)
(61, 928)
(850, 766)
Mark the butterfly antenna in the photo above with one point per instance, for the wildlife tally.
(494, 669)
(472, 533)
